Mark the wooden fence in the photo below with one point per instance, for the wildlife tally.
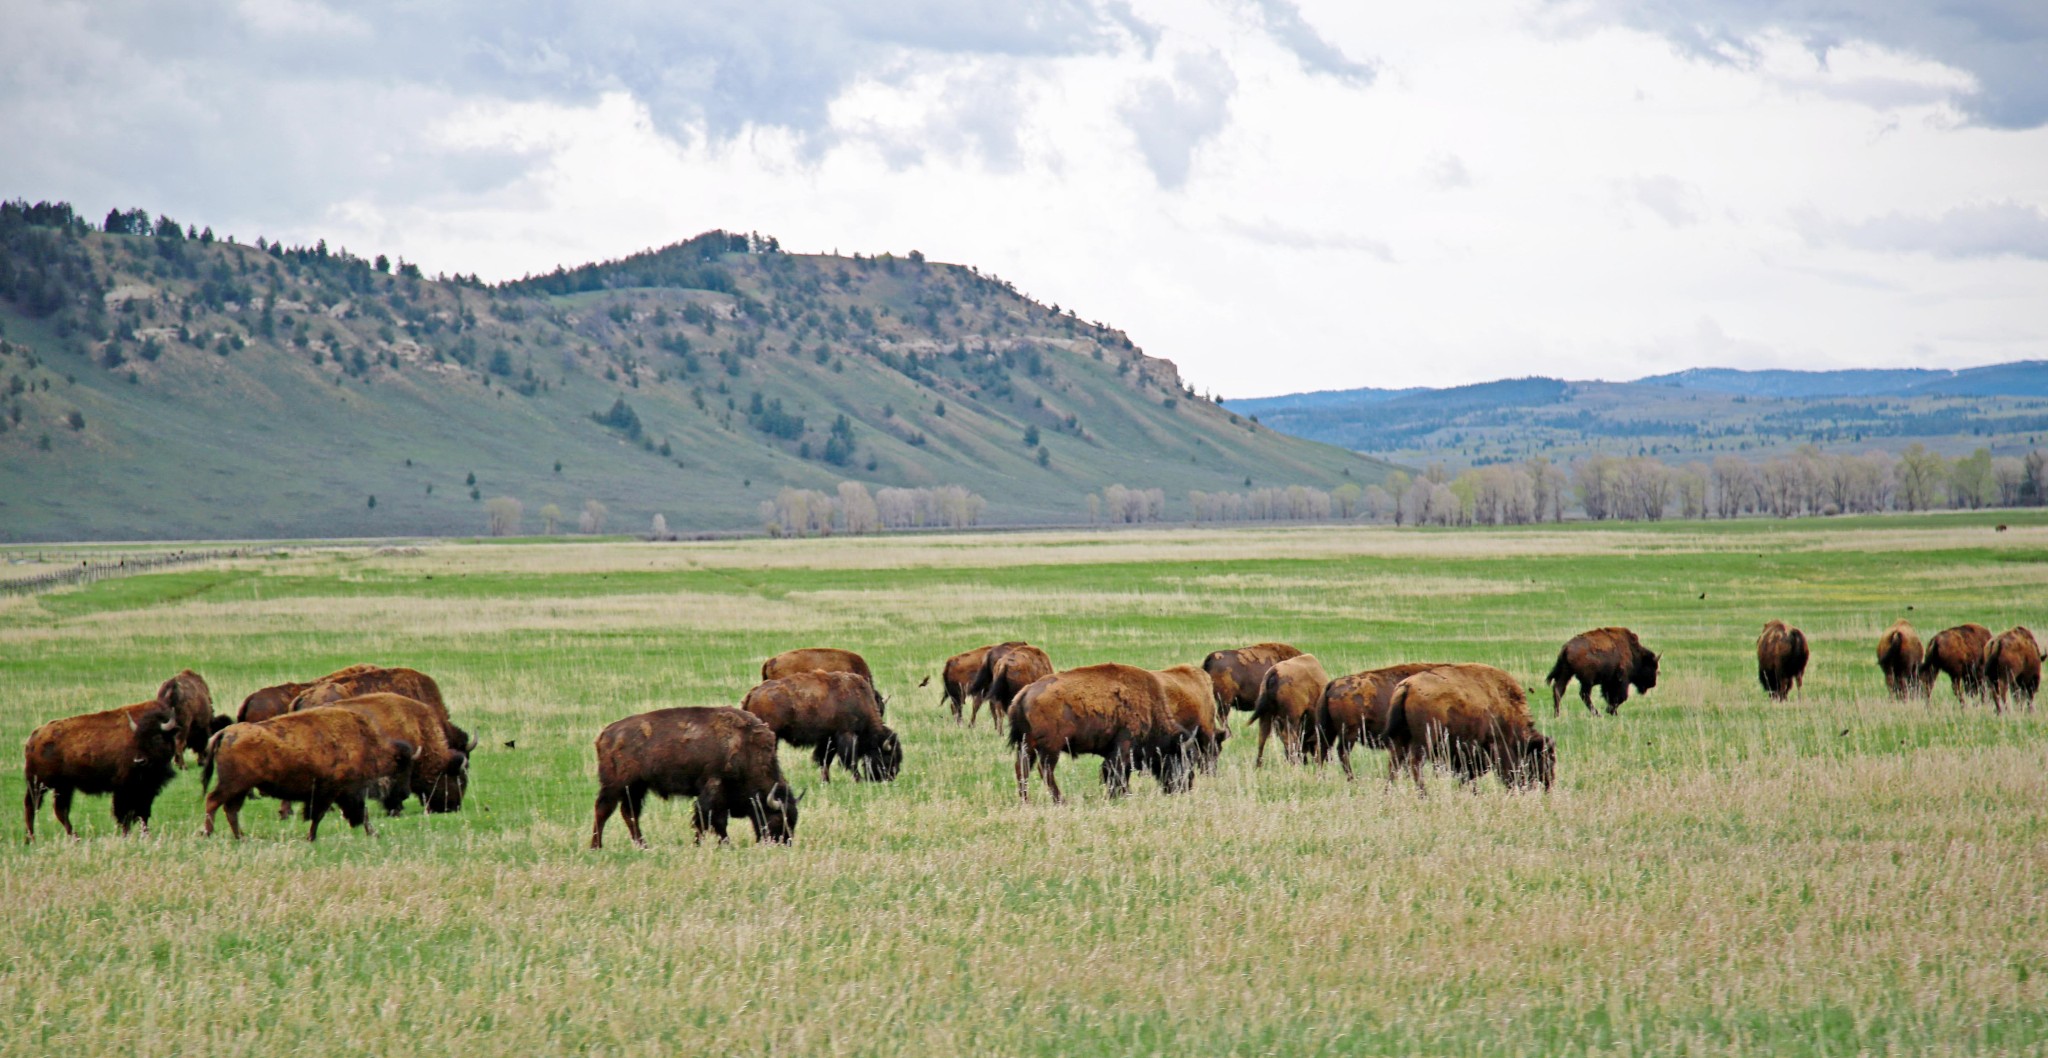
(86, 571)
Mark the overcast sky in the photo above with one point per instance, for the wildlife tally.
(1276, 196)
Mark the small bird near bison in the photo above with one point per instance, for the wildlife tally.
(724, 758)
(129, 752)
(1608, 658)
(1780, 659)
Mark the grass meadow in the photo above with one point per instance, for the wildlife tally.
(1715, 873)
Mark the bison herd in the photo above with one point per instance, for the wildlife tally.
(370, 733)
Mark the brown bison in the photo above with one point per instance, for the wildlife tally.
(2012, 665)
(957, 675)
(815, 659)
(129, 752)
(1354, 708)
(1780, 658)
(1117, 712)
(1471, 718)
(188, 694)
(1609, 658)
(358, 680)
(725, 758)
(1009, 668)
(1959, 652)
(1192, 700)
(1236, 675)
(1287, 701)
(1898, 656)
(836, 716)
(439, 775)
(323, 757)
(269, 702)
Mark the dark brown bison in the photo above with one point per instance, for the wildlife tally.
(1192, 699)
(1780, 658)
(1470, 718)
(1287, 701)
(836, 716)
(439, 775)
(1608, 658)
(323, 757)
(129, 752)
(1898, 656)
(1009, 668)
(269, 702)
(188, 694)
(1236, 675)
(2012, 665)
(725, 758)
(1117, 712)
(957, 675)
(815, 659)
(358, 680)
(1959, 652)
(1354, 708)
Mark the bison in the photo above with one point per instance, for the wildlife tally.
(439, 775)
(815, 659)
(1353, 709)
(1192, 700)
(1780, 659)
(358, 680)
(1236, 675)
(835, 715)
(1471, 718)
(1898, 656)
(269, 702)
(1117, 712)
(1009, 668)
(1609, 658)
(1959, 652)
(725, 758)
(957, 674)
(129, 752)
(323, 757)
(1287, 700)
(188, 695)
(2012, 665)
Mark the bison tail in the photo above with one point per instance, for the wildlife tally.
(1020, 726)
(1562, 670)
(1397, 713)
(213, 747)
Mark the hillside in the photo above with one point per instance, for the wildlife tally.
(1690, 414)
(165, 383)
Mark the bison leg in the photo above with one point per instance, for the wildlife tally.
(1293, 740)
(1046, 763)
(633, 799)
(353, 810)
(316, 807)
(31, 802)
(1586, 696)
(1557, 694)
(128, 811)
(1614, 694)
(1025, 761)
(1116, 767)
(1345, 743)
(61, 805)
(847, 747)
(710, 814)
(607, 803)
(1265, 730)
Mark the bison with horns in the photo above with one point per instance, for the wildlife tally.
(1471, 718)
(1608, 658)
(129, 752)
(725, 758)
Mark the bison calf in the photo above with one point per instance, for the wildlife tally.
(129, 752)
(1780, 659)
(725, 758)
(1287, 701)
(1471, 718)
(1959, 652)
(1608, 658)
(1353, 709)
(1236, 675)
(323, 757)
(1899, 654)
(2012, 665)
(836, 715)
(1117, 712)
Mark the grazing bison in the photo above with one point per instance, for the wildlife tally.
(815, 659)
(358, 680)
(128, 752)
(1009, 668)
(1609, 658)
(439, 775)
(2012, 665)
(323, 757)
(189, 696)
(1959, 652)
(269, 702)
(725, 758)
(1780, 658)
(1117, 712)
(1287, 700)
(836, 716)
(1898, 656)
(957, 675)
(1236, 675)
(1353, 709)
(1192, 700)
(1471, 718)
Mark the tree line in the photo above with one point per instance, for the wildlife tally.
(853, 509)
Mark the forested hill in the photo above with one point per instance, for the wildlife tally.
(164, 382)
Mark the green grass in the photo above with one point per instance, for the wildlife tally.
(1837, 875)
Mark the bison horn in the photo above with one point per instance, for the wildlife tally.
(171, 722)
(132, 725)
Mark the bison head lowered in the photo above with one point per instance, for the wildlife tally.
(883, 761)
(775, 814)
(1644, 675)
(1537, 760)
(448, 790)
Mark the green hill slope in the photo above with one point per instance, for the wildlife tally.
(190, 387)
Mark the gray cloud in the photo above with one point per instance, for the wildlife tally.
(1448, 173)
(1270, 233)
(1670, 198)
(1987, 230)
(2001, 42)
(1282, 21)
(1171, 117)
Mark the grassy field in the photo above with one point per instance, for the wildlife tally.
(1837, 875)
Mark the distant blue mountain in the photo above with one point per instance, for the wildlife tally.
(2026, 378)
